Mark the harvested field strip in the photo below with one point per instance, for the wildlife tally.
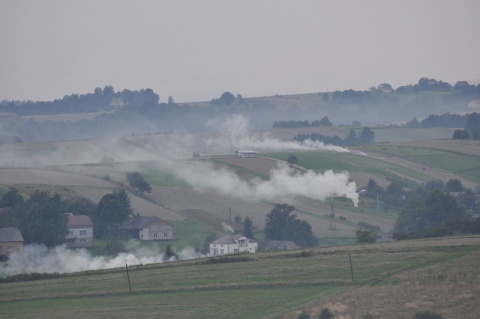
(258, 167)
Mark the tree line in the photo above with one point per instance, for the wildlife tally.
(295, 124)
(99, 100)
(365, 136)
(430, 210)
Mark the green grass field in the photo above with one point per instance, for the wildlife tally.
(466, 166)
(262, 285)
(349, 162)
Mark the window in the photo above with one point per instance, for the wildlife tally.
(10, 248)
(70, 233)
(236, 250)
(83, 232)
(242, 243)
(83, 240)
(155, 235)
(165, 234)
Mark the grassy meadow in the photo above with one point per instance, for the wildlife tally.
(445, 160)
(335, 161)
(418, 274)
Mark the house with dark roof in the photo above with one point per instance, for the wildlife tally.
(80, 231)
(11, 241)
(147, 228)
(232, 244)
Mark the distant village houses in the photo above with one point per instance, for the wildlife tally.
(232, 244)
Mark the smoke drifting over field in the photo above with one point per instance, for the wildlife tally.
(224, 137)
(237, 134)
(40, 259)
(283, 183)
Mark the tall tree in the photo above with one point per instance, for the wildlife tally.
(472, 125)
(113, 210)
(277, 220)
(138, 183)
(248, 228)
(352, 137)
(439, 214)
(12, 199)
(227, 98)
(43, 220)
(366, 136)
(281, 225)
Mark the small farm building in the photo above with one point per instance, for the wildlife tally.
(147, 228)
(245, 154)
(232, 244)
(11, 241)
(80, 231)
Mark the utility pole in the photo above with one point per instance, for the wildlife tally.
(332, 220)
(351, 267)
(128, 276)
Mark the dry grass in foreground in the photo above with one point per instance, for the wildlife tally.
(451, 288)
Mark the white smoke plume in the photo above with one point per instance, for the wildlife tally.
(227, 227)
(237, 134)
(59, 259)
(284, 183)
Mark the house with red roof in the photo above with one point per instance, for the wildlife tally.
(11, 241)
(80, 231)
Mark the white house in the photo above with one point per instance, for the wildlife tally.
(232, 244)
(245, 154)
(80, 231)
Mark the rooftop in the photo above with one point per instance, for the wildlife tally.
(79, 220)
(10, 234)
(231, 239)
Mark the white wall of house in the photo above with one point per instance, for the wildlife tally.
(242, 245)
(79, 236)
(156, 232)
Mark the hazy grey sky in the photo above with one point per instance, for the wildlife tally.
(197, 49)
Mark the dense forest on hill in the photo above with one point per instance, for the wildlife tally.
(141, 112)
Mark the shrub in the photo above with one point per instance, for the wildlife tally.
(303, 315)
(427, 315)
(325, 313)
(365, 236)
